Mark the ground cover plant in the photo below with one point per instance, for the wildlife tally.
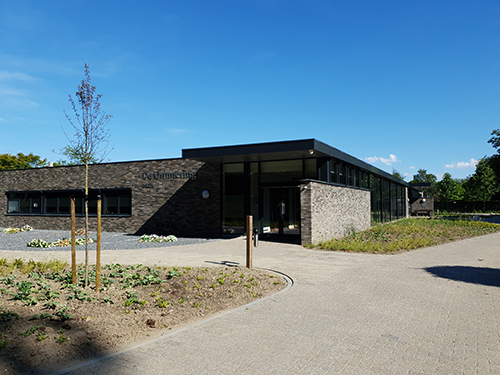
(156, 238)
(408, 234)
(24, 228)
(47, 323)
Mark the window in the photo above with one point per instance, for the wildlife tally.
(114, 202)
(337, 172)
(23, 203)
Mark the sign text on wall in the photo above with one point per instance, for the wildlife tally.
(168, 175)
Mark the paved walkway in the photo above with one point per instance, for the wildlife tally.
(429, 311)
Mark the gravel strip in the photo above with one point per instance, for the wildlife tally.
(109, 241)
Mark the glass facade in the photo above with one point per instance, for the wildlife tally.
(268, 190)
(233, 198)
(114, 202)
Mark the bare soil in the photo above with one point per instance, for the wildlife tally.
(38, 336)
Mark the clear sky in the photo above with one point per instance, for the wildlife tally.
(401, 84)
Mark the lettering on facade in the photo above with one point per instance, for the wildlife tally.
(147, 186)
(168, 175)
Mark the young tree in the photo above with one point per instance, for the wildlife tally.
(482, 185)
(90, 140)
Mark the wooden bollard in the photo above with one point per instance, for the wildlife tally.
(249, 240)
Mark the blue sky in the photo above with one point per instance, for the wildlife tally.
(402, 84)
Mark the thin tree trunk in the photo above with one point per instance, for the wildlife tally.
(86, 225)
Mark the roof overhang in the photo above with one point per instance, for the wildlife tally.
(272, 151)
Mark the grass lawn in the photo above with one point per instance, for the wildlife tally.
(409, 234)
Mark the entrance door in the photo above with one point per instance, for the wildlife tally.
(281, 210)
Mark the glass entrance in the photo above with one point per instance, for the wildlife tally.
(281, 210)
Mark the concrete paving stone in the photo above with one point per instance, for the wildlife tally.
(428, 311)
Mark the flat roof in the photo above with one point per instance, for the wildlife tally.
(283, 150)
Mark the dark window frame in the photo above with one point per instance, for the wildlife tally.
(123, 195)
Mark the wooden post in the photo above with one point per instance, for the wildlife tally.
(249, 240)
(73, 240)
(98, 253)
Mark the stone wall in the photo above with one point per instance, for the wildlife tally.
(329, 211)
(162, 203)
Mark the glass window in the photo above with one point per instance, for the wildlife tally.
(322, 165)
(310, 169)
(281, 171)
(125, 204)
(59, 203)
(64, 205)
(334, 171)
(233, 199)
(51, 205)
(112, 205)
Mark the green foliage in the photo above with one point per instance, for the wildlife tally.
(495, 139)
(73, 156)
(161, 303)
(450, 189)
(63, 314)
(482, 185)
(61, 338)
(423, 177)
(21, 161)
(7, 316)
(396, 173)
(409, 234)
(30, 331)
(3, 343)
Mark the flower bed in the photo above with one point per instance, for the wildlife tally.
(25, 228)
(58, 243)
(156, 238)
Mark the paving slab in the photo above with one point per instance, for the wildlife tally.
(430, 311)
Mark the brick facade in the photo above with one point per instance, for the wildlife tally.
(329, 211)
(161, 203)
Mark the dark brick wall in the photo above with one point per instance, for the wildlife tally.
(166, 206)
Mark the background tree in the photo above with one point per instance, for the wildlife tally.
(396, 173)
(494, 163)
(495, 139)
(450, 189)
(73, 157)
(21, 161)
(91, 138)
(482, 185)
(423, 177)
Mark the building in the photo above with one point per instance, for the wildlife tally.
(302, 189)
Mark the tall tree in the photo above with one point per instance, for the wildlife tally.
(482, 185)
(423, 177)
(73, 157)
(494, 163)
(450, 189)
(495, 139)
(21, 161)
(90, 140)
(396, 173)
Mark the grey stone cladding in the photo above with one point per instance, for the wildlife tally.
(166, 199)
(329, 211)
